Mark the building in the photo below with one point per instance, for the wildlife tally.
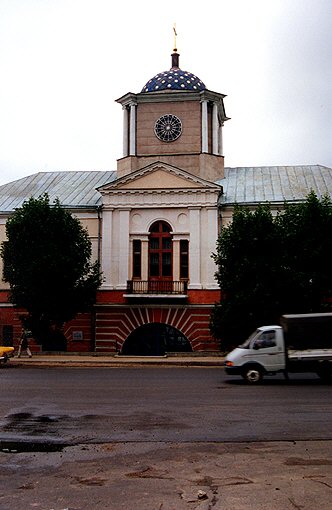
(154, 222)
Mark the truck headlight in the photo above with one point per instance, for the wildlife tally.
(229, 363)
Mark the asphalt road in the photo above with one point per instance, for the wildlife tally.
(162, 439)
(159, 404)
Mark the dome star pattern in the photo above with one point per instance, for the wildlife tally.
(174, 79)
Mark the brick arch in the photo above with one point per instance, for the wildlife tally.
(114, 324)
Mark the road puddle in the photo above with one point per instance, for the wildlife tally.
(31, 446)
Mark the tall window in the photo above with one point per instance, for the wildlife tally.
(137, 258)
(160, 251)
(184, 259)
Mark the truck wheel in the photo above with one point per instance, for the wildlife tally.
(252, 375)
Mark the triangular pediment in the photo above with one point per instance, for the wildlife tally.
(159, 176)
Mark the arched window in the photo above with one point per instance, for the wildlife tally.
(160, 251)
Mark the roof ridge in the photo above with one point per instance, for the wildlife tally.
(318, 165)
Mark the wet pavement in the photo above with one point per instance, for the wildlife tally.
(43, 471)
(170, 476)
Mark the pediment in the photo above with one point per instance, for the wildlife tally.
(159, 176)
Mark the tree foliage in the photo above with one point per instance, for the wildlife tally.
(47, 264)
(268, 266)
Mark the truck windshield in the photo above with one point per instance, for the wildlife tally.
(246, 344)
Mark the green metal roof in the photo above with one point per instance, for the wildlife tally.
(242, 185)
(250, 185)
(73, 189)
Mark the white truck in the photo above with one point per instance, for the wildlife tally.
(301, 343)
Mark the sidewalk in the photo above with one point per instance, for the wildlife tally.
(105, 360)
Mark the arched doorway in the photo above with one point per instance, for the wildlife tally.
(155, 340)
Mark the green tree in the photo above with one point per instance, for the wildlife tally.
(268, 266)
(307, 253)
(46, 260)
(246, 257)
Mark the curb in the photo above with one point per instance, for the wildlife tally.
(116, 361)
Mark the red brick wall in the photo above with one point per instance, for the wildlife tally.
(82, 327)
(115, 319)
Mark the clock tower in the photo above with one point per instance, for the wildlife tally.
(175, 119)
(160, 219)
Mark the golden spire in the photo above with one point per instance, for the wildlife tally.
(175, 34)
(175, 55)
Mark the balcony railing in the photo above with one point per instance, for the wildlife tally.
(157, 287)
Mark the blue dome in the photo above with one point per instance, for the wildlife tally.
(174, 79)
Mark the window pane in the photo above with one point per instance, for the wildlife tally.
(184, 266)
(166, 264)
(154, 243)
(184, 246)
(165, 227)
(154, 264)
(184, 259)
(154, 227)
(167, 244)
(136, 258)
(136, 246)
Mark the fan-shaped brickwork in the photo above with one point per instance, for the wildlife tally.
(114, 327)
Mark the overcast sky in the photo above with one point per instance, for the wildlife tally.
(63, 63)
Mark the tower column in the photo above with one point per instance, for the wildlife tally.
(125, 131)
(123, 248)
(221, 143)
(215, 126)
(212, 235)
(204, 126)
(195, 248)
(106, 250)
(132, 133)
(145, 259)
(176, 259)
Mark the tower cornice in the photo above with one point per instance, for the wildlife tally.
(167, 96)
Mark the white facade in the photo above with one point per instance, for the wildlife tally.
(159, 192)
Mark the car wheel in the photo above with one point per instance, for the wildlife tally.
(253, 375)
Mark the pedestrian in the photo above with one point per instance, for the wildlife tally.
(24, 344)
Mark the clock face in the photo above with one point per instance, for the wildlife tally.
(168, 128)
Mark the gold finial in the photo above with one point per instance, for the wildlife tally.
(175, 34)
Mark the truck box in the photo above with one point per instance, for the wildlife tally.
(307, 331)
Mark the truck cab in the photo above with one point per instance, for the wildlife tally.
(262, 353)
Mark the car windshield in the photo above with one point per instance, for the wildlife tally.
(246, 344)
